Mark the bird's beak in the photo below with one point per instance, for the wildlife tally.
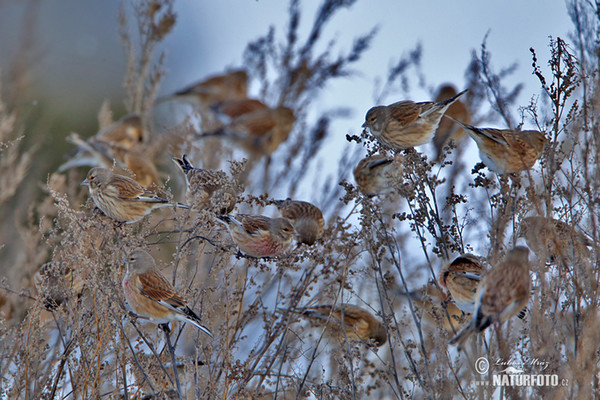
(364, 125)
(84, 183)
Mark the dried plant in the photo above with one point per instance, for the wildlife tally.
(66, 330)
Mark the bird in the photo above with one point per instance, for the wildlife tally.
(553, 240)
(259, 132)
(150, 295)
(346, 322)
(127, 132)
(207, 189)
(378, 174)
(506, 151)
(233, 108)
(448, 130)
(306, 218)
(122, 198)
(461, 278)
(406, 124)
(433, 304)
(57, 283)
(503, 293)
(259, 236)
(133, 162)
(228, 86)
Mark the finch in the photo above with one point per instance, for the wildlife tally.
(152, 296)
(121, 198)
(207, 189)
(406, 124)
(347, 321)
(506, 151)
(461, 278)
(552, 239)
(306, 218)
(430, 302)
(228, 86)
(131, 162)
(259, 236)
(503, 292)
(378, 174)
(259, 132)
(447, 130)
(57, 283)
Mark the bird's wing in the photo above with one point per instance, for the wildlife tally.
(404, 112)
(254, 223)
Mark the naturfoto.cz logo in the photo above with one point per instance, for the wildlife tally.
(512, 373)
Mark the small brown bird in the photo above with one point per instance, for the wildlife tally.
(259, 236)
(230, 109)
(229, 86)
(447, 130)
(57, 283)
(208, 189)
(461, 278)
(407, 124)
(347, 322)
(505, 151)
(121, 198)
(152, 296)
(503, 292)
(429, 302)
(259, 132)
(378, 174)
(306, 218)
(553, 240)
(132, 162)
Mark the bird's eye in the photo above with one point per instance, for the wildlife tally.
(131, 259)
(91, 178)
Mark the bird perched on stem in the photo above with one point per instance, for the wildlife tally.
(306, 218)
(259, 236)
(346, 322)
(152, 296)
(228, 86)
(207, 189)
(378, 174)
(447, 130)
(506, 151)
(461, 278)
(432, 304)
(259, 132)
(407, 124)
(503, 293)
(554, 240)
(121, 198)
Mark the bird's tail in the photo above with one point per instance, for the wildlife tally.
(198, 325)
(184, 163)
(453, 98)
(462, 336)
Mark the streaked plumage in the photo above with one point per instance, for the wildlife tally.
(152, 296)
(503, 293)
(406, 124)
(259, 236)
(347, 321)
(378, 174)
(208, 189)
(505, 151)
(121, 198)
(306, 218)
(462, 277)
